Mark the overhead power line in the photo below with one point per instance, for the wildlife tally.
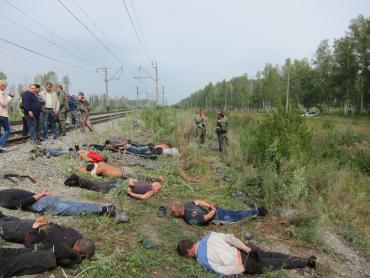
(50, 31)
(92, 34)
(136, 32)
(140, 29)
(45, 39)
(97, 28)
(43, 55)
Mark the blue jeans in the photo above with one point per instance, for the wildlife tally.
(31, 123)
(55, 206)
(224, 215)
(48, 116)
(57, 151)
(4, 136)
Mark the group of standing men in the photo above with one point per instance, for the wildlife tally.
(46, 108)
(222, 128)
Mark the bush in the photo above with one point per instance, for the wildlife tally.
(279, 136)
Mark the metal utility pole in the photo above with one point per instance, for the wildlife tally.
(137, 96)
(105, 69)
(162, 95)
(155, 64)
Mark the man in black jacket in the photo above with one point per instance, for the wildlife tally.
(24, 261)
(31, 106)
(68, 244)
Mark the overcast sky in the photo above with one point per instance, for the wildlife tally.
(194, 41)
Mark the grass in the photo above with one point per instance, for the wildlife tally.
(322, 183)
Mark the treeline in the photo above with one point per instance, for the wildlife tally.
(336, 78)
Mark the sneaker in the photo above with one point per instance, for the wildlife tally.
(262, 211)
(162, 211)
(2, 149)
(110, 210)
(121, 218)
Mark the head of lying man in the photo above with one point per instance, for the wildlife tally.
(90, 167)
(186, 248)
(84, 247)
(177, 209)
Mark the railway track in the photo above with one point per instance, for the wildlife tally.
(16, 136)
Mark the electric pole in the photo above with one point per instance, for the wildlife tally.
(287, 91)
(105, 69)
(155, 64)
(137, 96)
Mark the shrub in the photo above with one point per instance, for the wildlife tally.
(279, 136)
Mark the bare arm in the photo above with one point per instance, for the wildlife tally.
(202, 203)
(83, 170)
(141, 196)
(237, 243)
(132, 181)
(210, 215)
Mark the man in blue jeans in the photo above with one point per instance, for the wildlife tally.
(202, 213)
(31, 106)
(51, 109)
(43, 202)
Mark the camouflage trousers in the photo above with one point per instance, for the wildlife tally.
(85, 122)
(75, 117)
(222, 141)
(200, 133)
(60, 121)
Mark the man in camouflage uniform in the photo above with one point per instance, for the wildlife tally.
(201, 123)
(84, 112)
(222, 127)
(63, 110)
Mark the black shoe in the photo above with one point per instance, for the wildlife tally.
(311, 262)
(110, 210)
(77, 148)
(162, 211)
(262, 212)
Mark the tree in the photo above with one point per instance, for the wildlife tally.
(2, 76)
(50, 76)
(66, 81)
(360, 35)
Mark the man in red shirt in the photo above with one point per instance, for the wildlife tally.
(91, 156)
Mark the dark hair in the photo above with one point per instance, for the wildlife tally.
(183, 246)
(90, 167)
(48, 83)
(86, 246)
(37, 86)
(60, 86)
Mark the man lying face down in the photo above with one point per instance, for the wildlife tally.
(68, 245)
(143, 190)
(202, 213)
(105, 170)
(25, 261)
(225, 254)
(43, 202)
(91, 156)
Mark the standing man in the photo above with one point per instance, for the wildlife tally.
(63, 110)
(222, 127)
(84, 112)
(201, 123)
(51, 109)
(32, 109)
(4, 113)
(73, 106)
(39, 121)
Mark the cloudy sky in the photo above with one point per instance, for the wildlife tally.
(193, 41)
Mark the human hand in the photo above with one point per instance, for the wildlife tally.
(11, 94)
(40, 221)
(161, 178)
(46, 192)
(30, 114)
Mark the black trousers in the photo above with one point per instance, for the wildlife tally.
(23, 261)
(14, 229)
(25, 127)
(262, 260)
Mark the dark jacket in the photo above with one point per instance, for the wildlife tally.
(16, 198)
(31, 102)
